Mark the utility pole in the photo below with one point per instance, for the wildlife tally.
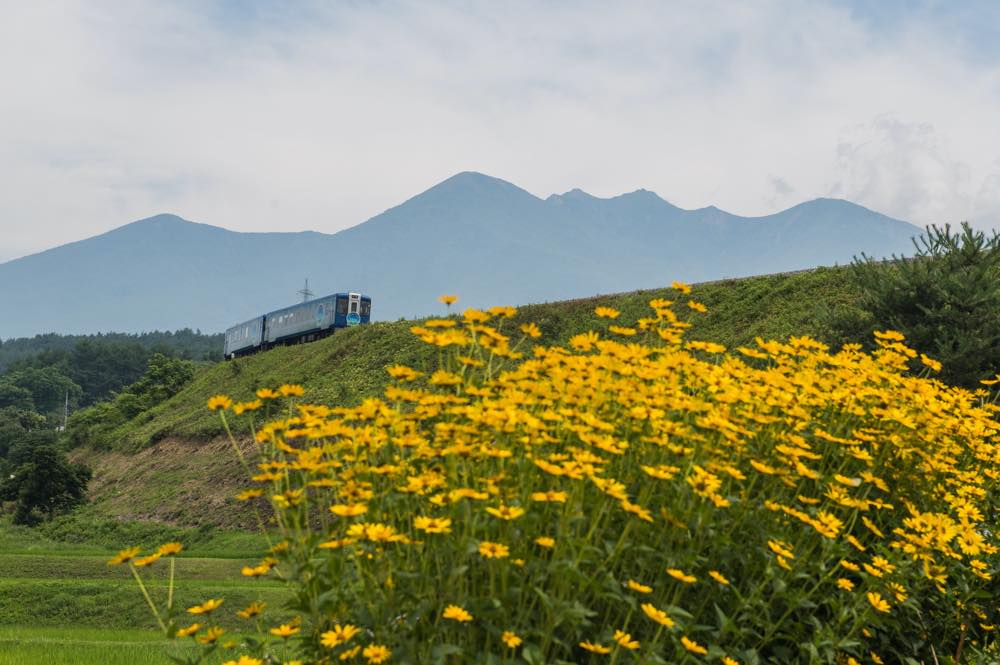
(66, 411)
(305, 292)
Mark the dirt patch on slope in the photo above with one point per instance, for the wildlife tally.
(175, 481)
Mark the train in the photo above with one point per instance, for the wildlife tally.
(304, 322)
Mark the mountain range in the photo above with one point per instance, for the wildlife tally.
(477, 236)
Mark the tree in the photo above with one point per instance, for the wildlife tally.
(48, 387)
(14, 396)
(44, 484)
(946, 300)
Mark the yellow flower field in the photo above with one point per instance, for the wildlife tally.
(633, 497)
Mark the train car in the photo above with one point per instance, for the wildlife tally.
(303, 322)
(244, 338)
(317, 318)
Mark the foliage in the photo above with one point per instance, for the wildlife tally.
(42, 482)
(163, 378)
(15, 427)
(50, 348)
(946, 300)
(630, 493)
(47, 388)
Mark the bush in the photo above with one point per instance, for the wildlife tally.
(43, 483)
(631, 494)
(96, 425)
(946, 300)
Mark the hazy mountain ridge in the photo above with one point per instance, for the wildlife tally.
(483, 238)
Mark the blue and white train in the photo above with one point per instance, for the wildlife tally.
(303, 322)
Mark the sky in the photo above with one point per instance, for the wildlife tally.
(262, 115)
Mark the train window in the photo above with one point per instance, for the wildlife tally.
(366, 308)
(341, 305)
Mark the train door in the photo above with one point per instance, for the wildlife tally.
(353, 309)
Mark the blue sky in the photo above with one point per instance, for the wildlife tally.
(260, 115)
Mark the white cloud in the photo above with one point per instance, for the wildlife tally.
(322, 115)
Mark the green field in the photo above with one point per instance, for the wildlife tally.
(61, 603)
(21, 645)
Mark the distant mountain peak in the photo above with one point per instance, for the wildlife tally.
(161, 219)
(575, 194)
(470, 188)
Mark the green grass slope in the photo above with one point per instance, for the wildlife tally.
(350, 365)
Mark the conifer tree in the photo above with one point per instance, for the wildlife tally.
(945, 299)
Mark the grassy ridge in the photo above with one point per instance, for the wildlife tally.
(350, 365)
(61, 604)
(23, 645)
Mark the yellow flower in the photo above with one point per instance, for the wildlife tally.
(594, 648)
(883, 564)
(930, 363)
(506, 512)
(693, 646)
(448, 299)
(376, 653)
(349, 510)
(433, 524)
(531, 330)
(680, 286)
(350, 653)
(211, 635)
(553, 497)
(625, 640)
(877, 601)
(726, 660)
(845, 584)
(718, 577)
(403, 373)
(606, 312)
(505, 311)
(697, 306)
(241, 407)
(267, 393)
(207, 607)
(124, 556)
(545, 541)
(219, 402)
(681, 576)
(493, 550)
(781, 548)
(637, 587)
(169, 549)
(245, 660)
(657, 615)
(252, 610)
(292, 390)
(285, 630)
(144, 561)
(511, 639)
(338, 635)
(246, 495)
(456, 613)
(190, 630)
(853, 567)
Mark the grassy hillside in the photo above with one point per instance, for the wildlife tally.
(350, 364)
(171, 464)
